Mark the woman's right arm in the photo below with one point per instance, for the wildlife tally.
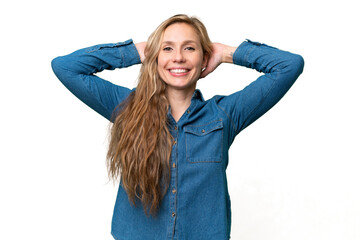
(76, 71)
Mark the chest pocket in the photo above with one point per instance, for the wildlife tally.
(204, 143)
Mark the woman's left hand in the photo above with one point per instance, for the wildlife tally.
(221, 54)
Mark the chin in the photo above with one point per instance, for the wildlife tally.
(185, 87)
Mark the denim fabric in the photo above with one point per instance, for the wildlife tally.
(197, 204)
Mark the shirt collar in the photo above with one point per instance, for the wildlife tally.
(197, 95)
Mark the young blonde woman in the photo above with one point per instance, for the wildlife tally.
(169, 147)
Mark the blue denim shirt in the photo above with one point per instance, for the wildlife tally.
(197, 204)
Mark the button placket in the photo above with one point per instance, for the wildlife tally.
(173, 182)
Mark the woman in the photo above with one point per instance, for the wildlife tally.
(168, 146)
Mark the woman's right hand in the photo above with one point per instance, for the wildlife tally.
(141, 49)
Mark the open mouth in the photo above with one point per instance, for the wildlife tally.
(179, 71)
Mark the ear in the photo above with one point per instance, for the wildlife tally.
(205, 61)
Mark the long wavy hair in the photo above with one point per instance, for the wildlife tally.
(140, 141)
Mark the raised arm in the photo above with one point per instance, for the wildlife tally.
(76, 71)
(280, 69)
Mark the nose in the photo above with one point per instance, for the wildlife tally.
(178, 56)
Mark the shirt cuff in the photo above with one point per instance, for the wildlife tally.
(242, 53)
(129, 53)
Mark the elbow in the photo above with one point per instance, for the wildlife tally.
(59, 68)
(293, 68)
(297, 64)
(56, 64)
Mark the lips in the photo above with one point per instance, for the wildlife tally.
(179, 71)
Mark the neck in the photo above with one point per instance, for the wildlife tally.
(179, 101)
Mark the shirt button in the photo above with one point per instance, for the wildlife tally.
(188, 111)
(174, 191)
(173, 214)
(175, 127)
(203, 130)
(175, 142)
(174, 165)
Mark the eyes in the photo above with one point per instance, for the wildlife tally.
(168, 49)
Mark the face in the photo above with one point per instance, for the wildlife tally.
(181, 57)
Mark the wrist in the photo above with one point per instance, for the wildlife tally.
(227, 55)
(140, 47)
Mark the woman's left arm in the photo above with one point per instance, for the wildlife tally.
(280, 69)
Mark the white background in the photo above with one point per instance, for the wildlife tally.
(293, 174)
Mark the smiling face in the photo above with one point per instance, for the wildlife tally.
(181, 57)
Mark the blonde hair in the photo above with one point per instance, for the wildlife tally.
(140, 141)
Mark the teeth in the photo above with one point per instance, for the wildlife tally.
(178, 70)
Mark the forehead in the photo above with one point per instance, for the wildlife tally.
(180, 32)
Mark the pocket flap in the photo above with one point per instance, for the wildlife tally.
(201, 130)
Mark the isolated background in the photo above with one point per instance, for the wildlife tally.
(293, 174)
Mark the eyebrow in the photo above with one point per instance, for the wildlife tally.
(183, 43)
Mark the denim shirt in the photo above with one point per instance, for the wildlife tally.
(197, 203)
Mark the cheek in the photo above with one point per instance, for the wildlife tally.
(160, 69)
(161, 59)
(160, 66)
(199, 60)
(199, 65)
